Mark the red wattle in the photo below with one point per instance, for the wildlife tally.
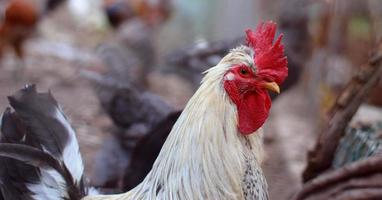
(253, 110)
(252, 107)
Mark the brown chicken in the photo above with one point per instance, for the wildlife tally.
(20, 18)
(19, 22)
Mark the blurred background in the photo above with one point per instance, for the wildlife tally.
(123, 69)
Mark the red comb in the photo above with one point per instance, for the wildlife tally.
(269, 57)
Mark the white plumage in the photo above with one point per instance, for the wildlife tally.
(71, 155)
(204, 156)
(50, 187)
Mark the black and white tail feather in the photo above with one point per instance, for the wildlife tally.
(39, 152)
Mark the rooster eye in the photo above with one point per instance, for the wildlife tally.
(243, 71)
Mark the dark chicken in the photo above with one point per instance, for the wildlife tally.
(147, 150)
(142, 120)
(136, 23)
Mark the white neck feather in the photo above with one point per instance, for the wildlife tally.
(204, 155)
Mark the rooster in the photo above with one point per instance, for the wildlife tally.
(214, 150)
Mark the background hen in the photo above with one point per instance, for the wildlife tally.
(20, 18)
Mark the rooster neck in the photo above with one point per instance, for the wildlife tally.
(204, 156)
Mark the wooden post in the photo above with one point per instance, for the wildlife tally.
(321, 157)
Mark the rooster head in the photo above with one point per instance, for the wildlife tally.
(252, 71)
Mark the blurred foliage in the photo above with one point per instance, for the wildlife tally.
(360, 27)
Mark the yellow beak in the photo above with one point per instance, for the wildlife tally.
(272, 86)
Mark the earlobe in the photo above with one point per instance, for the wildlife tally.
(229, 76)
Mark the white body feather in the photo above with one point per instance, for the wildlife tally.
(52, 185)
(204, 156)
(71, 155)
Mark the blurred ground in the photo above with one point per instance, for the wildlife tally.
(288, 136)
